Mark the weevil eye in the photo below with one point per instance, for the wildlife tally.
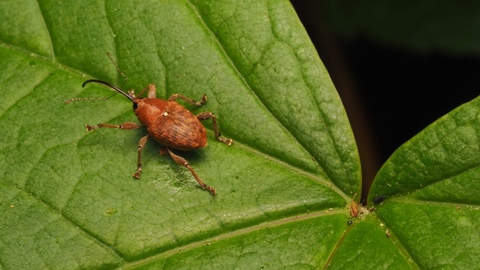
(135, 105)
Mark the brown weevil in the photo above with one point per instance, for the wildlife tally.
(169, 123)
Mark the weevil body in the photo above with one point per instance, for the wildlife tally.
(169, 123)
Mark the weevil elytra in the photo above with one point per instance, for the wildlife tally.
(169, 123)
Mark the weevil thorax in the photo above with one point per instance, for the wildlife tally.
(148, 110)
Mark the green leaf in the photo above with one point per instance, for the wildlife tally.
(67, 197)
(431, 189)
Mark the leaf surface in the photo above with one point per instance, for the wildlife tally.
(294, 155)
(431, 189)
(67, 198)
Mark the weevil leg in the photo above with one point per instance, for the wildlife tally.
(126, 126)
(191, 101)
(208, 115)
(183, 162)
(152, 91)
(141, 145)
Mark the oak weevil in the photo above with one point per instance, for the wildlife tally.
(169, 123)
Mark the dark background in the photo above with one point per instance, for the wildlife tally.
(390, 91)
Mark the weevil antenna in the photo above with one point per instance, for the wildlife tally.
(111, 86)
(118, 68)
